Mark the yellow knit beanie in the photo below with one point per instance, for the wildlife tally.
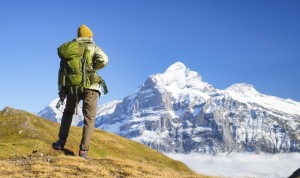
(84, 31)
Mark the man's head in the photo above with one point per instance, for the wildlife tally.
(84, 31)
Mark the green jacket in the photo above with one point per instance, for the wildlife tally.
(100, 59)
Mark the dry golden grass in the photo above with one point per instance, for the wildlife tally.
(25, 142)
(73, 166)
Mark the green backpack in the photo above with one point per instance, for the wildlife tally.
(75, 59)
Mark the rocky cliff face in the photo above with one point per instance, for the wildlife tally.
(178, 112)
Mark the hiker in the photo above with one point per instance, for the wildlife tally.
(78, 80)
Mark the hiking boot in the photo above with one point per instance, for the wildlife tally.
(59, 144)
(83, 154)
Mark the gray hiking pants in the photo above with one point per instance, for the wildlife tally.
(90, 99)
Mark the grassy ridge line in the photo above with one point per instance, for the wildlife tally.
(23, 135)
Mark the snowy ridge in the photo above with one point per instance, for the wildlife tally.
(107, 108)
(242, 88)
(246, 93)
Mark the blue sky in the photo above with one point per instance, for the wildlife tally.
(227, 42)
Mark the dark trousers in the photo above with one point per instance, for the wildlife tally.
(90, 99)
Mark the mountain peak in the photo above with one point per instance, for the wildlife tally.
(177, 66)
(178, 72)
(242, 88)
(181, 82)
(179, 76)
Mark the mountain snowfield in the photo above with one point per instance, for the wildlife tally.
(176, 111)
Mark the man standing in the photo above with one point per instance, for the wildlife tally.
(88, 93)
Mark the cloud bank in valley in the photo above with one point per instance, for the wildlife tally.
(242, 164)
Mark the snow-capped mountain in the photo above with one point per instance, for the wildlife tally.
(176, 111)
(52, 113)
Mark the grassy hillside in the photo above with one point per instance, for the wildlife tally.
(25, 142)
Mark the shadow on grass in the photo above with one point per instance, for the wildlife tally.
(68, 152)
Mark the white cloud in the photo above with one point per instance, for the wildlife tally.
(242, 164)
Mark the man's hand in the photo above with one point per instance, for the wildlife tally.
(59, 103)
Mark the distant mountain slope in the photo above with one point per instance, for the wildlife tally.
(176, 111)
(26, 152)
(51, 113)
